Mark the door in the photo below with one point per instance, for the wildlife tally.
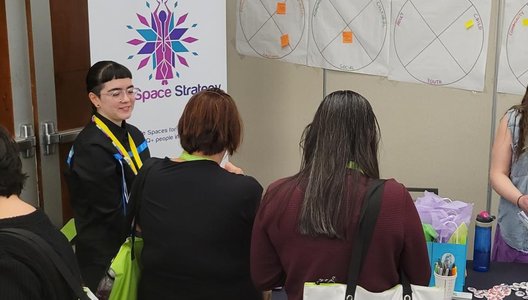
(44, 54)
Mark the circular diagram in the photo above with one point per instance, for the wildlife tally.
(349, 34)
(436, 43)
(516, 41)
(272, 29)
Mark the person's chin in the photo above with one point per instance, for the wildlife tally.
(126, 113)
(125, 116)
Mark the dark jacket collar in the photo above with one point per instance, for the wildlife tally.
(119, 131)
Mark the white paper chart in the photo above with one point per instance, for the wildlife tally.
(271, 29)
(513, 65)
(350, 36)
(440, 43)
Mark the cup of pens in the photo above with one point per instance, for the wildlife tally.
(445, 274)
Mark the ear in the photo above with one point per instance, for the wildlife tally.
(96, 101)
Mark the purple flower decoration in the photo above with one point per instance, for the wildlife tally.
(163, 42)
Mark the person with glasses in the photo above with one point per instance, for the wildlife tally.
(102, 164)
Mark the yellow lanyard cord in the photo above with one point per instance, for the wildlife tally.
(102, 126)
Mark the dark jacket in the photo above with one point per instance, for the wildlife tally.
(95, 181)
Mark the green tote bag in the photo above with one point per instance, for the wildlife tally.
(127, 270)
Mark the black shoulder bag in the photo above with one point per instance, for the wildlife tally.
(40, 245)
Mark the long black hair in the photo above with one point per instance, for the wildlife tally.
(344, 131)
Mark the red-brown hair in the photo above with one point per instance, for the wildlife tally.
(210, 123)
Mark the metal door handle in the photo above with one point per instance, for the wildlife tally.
(51, 137)
(26, 141)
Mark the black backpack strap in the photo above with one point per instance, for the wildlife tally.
(136, 196)
(39, 244)
(369, 215)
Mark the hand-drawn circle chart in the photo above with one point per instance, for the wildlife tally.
(436, 43)
(349, 34)
(516, 43)
(272, 29)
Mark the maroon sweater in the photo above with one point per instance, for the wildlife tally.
(281, 256)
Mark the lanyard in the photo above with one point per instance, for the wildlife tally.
(354, 166)
(189, 157)
(102, 126)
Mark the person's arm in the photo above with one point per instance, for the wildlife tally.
(266, 268)
(414, 258)
(501, 155)
(230, 167)
(99, 184)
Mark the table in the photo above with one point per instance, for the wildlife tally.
(507, 273)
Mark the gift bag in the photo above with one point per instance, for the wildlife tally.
(446, 222)
(451, 258)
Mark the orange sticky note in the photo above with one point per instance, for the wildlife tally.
(281, 8)
(285, 40)
(525, 22)
(469, 24)
(347, 37)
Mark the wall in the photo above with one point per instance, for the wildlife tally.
(431, 136)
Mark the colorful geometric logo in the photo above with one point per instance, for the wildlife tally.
(163, 41)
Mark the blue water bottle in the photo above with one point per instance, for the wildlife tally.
(482, 243)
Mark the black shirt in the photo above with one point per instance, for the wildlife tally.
(26, 275)
(196, 220)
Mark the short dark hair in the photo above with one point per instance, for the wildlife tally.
(11, 177)
(102, 72)
(210, 123)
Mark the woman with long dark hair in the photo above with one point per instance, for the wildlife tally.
(306, 224)
(509, 178)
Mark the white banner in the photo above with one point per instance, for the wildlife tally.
(173, 48)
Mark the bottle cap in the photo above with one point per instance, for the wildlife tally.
(485, 217)
(111, 273)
